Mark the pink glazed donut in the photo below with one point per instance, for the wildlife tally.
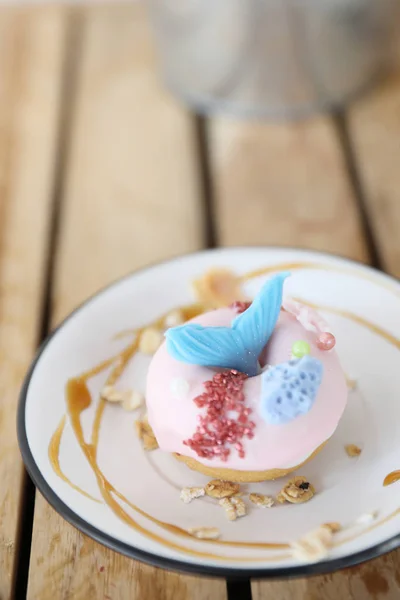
(271, 450)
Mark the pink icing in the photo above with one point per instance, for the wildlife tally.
(173, 416)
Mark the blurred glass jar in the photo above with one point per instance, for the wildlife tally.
(279, 58)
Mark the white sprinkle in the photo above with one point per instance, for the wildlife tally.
(179, 387)
(367, 518)
(240, 506)
(150, 340)
(110, 394)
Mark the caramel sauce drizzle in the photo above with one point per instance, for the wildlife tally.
(54, 454)
(296, 266)
(391, 478)
(290, 266)
(78, 399)
(373, 526)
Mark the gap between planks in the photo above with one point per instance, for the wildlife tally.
(205, 179)
(354, 176)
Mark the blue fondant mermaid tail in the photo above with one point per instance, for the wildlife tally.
(236, 347)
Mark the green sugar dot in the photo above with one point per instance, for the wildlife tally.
(300, 349)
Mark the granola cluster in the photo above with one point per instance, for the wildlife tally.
(190, 493)
(204, 533)
(151, 338)
(311, 547)
(314, 546)
(296, 491)
(226, 492)
(261, 500)
(230, 497)
(221, 489)
(129, 399)
(352, 450)
(234, 507)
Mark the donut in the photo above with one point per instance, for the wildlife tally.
(247, 397)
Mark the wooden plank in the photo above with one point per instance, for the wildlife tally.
(374, 125)
(131, 197)
(289, 185)
(283, 185)
(31, 55)
(375, 580)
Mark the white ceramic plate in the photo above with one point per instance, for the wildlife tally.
(347, 488)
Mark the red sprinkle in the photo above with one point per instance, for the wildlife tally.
(216, 430)
(240, 306)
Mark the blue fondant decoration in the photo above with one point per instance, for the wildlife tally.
(289, 389)
(236, 347)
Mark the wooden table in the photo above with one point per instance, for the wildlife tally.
(102, 172)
